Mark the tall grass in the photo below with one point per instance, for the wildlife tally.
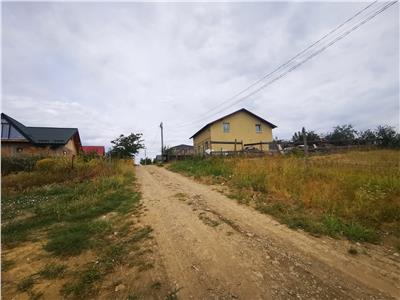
(56, 170)
(354, 194)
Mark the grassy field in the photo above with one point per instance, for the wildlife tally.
(65, 231)
(354, 194)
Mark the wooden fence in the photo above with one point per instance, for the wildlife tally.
(235, 144)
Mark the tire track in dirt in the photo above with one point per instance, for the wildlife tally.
(214, 248)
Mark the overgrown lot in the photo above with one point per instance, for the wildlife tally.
(354, 194)
(66, 230)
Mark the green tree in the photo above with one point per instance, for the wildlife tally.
(310, 135)
(126, 146)
(342, 135)
(387, 136)
(367, 137)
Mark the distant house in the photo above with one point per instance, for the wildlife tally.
(18, 139)
(232, 131)
(180, 151)
(94, 149)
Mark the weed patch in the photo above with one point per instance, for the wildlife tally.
(69, 241)
(141, 234)
(51, 271)
(26, 284)
(82, 287)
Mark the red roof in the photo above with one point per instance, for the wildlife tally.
(90, 149)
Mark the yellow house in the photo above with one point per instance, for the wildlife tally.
(232, 132)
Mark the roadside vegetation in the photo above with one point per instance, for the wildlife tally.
(354, 194)
(72, 224)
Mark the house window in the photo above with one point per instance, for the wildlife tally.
(226, 127)
(14, 134)
(5, 130)
(206, 144)
(258, 128)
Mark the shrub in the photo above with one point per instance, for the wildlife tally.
(52, 165)
(16, 164)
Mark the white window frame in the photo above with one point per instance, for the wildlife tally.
(258, 125)
(226, 129)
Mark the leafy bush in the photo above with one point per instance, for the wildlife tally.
(18, 163)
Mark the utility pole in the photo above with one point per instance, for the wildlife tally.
(162, 142)
(305, 142)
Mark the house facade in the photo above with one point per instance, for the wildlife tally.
(18, 139)
(232, 131)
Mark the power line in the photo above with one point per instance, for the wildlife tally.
(287, 63)
(312, 55)
(294, 57)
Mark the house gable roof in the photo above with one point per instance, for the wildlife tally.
(181, 147)
(17, 125)
(235, 112)
(44, 135)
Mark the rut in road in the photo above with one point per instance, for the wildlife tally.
(213, 248)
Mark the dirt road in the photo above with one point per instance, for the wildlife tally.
(213, 248)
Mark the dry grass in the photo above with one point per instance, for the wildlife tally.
(355, 194)
(57, 170)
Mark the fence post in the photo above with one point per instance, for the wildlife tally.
(242, 145)
(261, 146)
(235, 147)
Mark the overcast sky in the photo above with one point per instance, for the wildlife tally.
(111, 68)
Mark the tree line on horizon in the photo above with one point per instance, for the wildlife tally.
(382, 135)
